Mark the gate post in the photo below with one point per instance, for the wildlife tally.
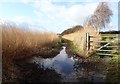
(87, 41)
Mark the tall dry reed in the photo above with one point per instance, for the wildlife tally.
(16, 42)
(79, 41)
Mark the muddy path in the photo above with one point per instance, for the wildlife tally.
(61, 68)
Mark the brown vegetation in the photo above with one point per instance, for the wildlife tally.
(79, 41)
(17, 43)
(99, 19)
(72, 30)
(111, 32)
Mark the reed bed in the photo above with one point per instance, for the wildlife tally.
(17, 43)
(79, 41)
(15, 40)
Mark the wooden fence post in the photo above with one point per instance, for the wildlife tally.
(87, 41)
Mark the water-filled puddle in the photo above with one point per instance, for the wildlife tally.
(61, 63)
(70, 68)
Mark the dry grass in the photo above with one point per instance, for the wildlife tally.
(99, 19)
(17, 43)
(79, 40)
(15, 40)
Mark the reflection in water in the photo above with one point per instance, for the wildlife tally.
(61, 63)
(70, 68)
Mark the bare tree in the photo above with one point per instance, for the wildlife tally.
(100, 17)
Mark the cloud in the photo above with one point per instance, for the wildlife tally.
(85, 0)
(79, 13)
(24, 22)
(58, 15)
(27, 1)
(61, 14)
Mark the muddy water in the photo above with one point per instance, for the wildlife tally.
(69, 68)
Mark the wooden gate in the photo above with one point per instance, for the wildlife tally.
(109, 44)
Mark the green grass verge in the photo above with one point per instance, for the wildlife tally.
(113, 71)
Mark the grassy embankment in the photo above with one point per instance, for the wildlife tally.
(19, 44)
(78, 41)
(113, 70)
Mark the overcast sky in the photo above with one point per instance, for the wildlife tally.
(53, 15)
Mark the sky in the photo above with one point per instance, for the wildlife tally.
(53, 15)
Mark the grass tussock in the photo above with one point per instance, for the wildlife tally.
(79, 41)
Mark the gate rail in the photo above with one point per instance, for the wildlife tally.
(106, 44)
